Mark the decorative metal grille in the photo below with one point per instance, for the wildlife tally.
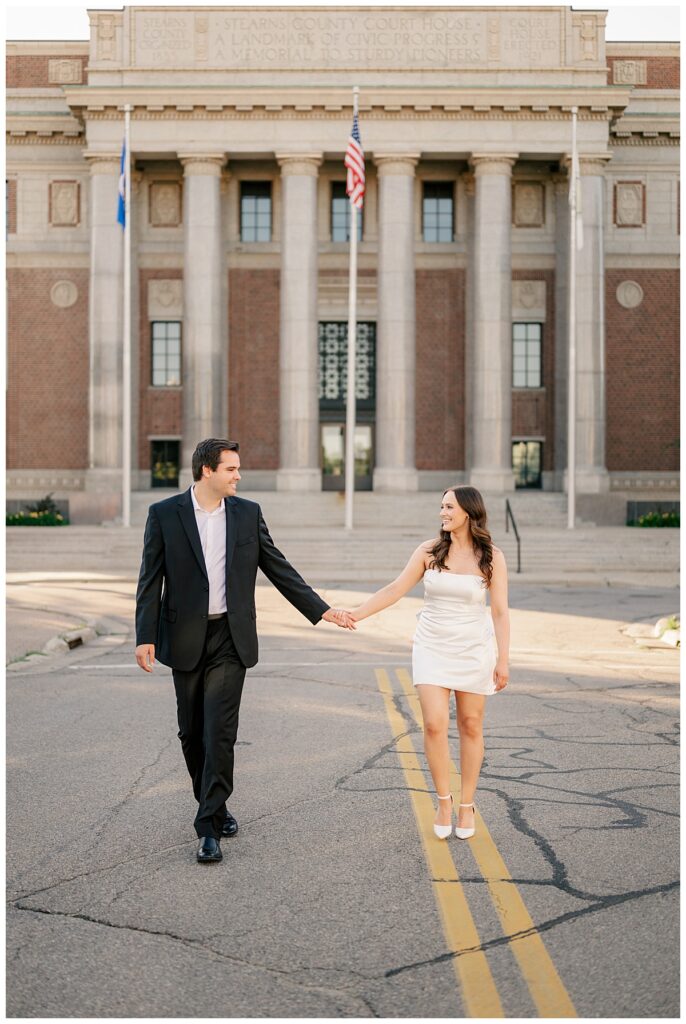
(333, 365)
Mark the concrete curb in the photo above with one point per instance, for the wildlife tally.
(65, 642)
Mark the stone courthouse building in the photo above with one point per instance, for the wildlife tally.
(240, 121)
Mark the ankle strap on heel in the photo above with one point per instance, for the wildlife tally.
(465, 805)
(448, 797)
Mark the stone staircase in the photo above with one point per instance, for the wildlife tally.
(309, 529)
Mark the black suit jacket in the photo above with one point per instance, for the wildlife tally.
(173, 590)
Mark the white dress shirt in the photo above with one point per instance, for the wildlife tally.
(212, 530)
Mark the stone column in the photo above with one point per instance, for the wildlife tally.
(105, 330)
(467, 210)
(204, 344)
(591, 472)
(299, 464)
(491, 362)
(395, 468)
(561, 186)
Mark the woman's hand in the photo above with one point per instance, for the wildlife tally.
(501, 674)
(340, 616)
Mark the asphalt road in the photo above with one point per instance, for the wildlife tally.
(334, 900)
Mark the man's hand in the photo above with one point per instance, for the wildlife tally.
(341, 617)
(145, 656)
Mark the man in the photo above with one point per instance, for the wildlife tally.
(195, 611)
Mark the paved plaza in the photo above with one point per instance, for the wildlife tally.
(335, 900)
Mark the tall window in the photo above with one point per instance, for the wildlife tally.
(340, 214)
(527, 369)
(256, 211)
(166, 353)
(437, 211)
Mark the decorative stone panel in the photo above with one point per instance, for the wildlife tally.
(629, 294)
(528, 300)
(629, 204)
(65, 72)
(165, 204)
(528, 204)
(165, 299)
(64, 202)
(629, 72)
(106, 36)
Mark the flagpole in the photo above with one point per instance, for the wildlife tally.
(352, 340)
(571, 369)
(126, 359)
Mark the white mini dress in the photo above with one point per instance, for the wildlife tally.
(454, 643)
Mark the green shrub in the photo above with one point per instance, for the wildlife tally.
(43, 512)
(45, 518)
(656, 519)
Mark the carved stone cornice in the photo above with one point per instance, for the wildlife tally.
(307, 164)
(209, 164)
(638, 140)
(17, 138)
(184, 101)
(396, 163)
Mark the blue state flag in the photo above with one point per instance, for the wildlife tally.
(121, 204)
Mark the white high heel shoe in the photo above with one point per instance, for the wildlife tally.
(465, 833)
(443, 831)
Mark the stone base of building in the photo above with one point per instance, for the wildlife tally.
(298, 479)
(589, 481)
(389, 480)
(492, 481)
(438, 479)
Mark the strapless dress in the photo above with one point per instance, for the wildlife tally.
(454, 643)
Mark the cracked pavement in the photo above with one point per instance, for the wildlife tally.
(323, 904)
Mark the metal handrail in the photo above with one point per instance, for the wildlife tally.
(509, 517)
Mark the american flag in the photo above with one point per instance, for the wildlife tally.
(354, 161)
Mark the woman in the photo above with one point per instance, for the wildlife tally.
(453, 646)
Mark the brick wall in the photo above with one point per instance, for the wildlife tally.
(642, 362)
(11, 206)
(533, 411)
(440, 369)
(47, 395)
(161, 409)
(254, 365)
(31, 72)
(662, 72)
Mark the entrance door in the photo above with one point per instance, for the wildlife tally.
(164, 461)
(333, 456)
(333, 372)
(526, 463)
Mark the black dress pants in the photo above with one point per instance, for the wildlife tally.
(207, 702)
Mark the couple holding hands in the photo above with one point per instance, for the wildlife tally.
(195, 612)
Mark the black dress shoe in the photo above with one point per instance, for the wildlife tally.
(208, 850)
(230, 826)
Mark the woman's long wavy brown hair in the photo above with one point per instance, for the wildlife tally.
(469, 499)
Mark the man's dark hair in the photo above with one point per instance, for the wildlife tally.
(209, 453)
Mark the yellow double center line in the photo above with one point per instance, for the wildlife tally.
(477, 985)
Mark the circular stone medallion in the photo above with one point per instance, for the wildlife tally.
(64, 294)
(629, 294)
